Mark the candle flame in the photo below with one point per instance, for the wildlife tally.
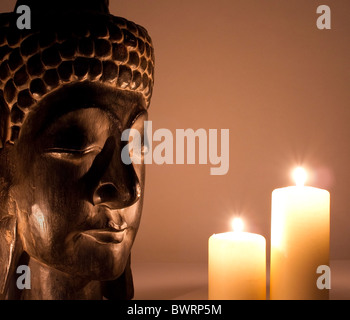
(237, 224)
(299, 175)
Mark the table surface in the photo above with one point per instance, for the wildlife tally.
(189, 281)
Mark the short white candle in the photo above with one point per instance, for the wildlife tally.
(237, 265)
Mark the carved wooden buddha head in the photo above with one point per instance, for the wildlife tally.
(70, 207)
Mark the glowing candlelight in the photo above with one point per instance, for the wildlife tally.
(237, 224)
(300, 176)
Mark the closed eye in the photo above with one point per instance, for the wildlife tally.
(73, 154)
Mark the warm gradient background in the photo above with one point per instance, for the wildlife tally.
(262, 69)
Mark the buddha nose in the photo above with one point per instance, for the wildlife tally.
(115, 184)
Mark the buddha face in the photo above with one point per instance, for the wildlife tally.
(78, 205)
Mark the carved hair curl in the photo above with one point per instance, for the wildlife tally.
(57, 50)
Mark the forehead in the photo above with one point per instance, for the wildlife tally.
(121, 106)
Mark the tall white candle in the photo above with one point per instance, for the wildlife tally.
(237, 265)
(300, 227)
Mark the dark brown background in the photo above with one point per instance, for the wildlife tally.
(262, 69)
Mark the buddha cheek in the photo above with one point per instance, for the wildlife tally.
(49, 209)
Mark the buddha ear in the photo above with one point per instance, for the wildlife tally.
(8, 233)
(7, 172)
(11, 254)
(8, 220)
(4, 122)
